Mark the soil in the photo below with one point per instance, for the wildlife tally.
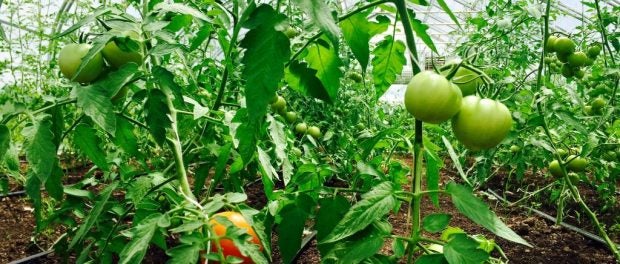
(552, 244)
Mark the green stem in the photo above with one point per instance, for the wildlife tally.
(175, 144)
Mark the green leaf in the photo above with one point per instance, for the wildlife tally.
(476, 210)
(33, 189)
(86, 20)
(454, 157)
(166, 82)
(53, 184)
(358, 31)
(325, 60)
(431, 259)
(356, 248)
(276, 131)
(97, 45)
(93, 216)
(420, 30)
(265, 163)
(331, 210)
(88, 142)
(116, 80)
(387, 63)
(40, 151)
(220, 166)
(464, 250)
(125, 137)
(96, 103)
(374, 205)
(436, 222)
(140, 238)
(433, 164)
(318, 11)
(267, 50)
(2, 34)
(446, 8)
(5, 140)
(290, 231)
(180, 9)
(303, 79)
(185, 253)
(157, 119)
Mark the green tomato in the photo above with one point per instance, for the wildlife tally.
(360, 126)
(431, 98)
(290, 117)
(598, 103)
(274, 99)
(579, 73)
(279, 105)
(589, 62)
(315, 132)
(562, 58)
(514, 148)
(466, 79)
(550, 47)
(554, 169)
(587, 110)
(577, 59)
(69, 60)
(610, 155)
(301, 128)
(576, 163)
(297, 152)
(356, 77)
(564, 45)
(562, 152)
(481, 123)
(118, 57)
(291, 32)
(567, 71)
(594, 50)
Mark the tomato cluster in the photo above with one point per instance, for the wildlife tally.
(568, 61)
(71, 56)
(278, 105)
(476, 122)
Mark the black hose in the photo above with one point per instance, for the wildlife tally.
(33, 257)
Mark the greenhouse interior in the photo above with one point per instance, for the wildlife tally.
(309, 131)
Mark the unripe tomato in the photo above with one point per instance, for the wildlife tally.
(594, 50)
(296, 151)
(562, 152)
(550, 47)
(587, 110)
(118, 57)
(589, 62)
(577, 59)
(563, 58)
(610, 155)
(315, 132)
(567, 71)
(598, 103)
(564, 45)
(290, 117)
(554, 169)
(466, 79)
(291, 32)
(279, 105)
(274, 99)
(301, 128)
(69, 60)
(514, 148)
(228, 246)
(579, 73)
(576, 164)
(431, 98)
(481, 123)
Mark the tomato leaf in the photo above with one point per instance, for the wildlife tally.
(356, 248)
(374, 205)
(188, 252)
(464, 250)
(431, 259)
(157, 119)
(420, 30)
(325, 60)
(290, 231)
(125, 138)
(358, 31)
(140, 238)
(436, 222)
(96, 103)
(5, 140)
(33, 189)
(180, 9)
(93, 215)
(88, 142)
(40, 151)
(318, 11)
(303, 79)
(86, 20)
(276, 131)
(433, 164)
(95, 50)
(446, 8)
(476, 210)
(387, 64)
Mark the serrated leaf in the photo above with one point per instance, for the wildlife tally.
(184, 254)
(86, 20)
(290, 231)
(220, 166)
(454, 157)
(5, 140)
(303, 79)
(325, 60)
(265, 163)
(356, 248)
(374, 205)
(33, 189)
(141, 236)
(464, 250)
(116, 80)
(165, 80)
(436, 222)
(180, 9)
(40, 151)
(267, 50)
(318, 11)
(420, 30)
(93, 215)
(157, 115)
(95, 102)
(276, 131)
(387, 64)
(88, 142)
(476, 210)
(358, 31)
(125, 138)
